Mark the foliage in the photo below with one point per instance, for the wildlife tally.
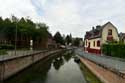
(6, 46)
(26, 30)
(58, 38)
(76, 41)
(68, 39)
(3, 52)
(114, 49)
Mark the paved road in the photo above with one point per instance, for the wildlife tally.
(115, 65)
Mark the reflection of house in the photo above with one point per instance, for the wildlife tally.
(100, 35)
(122, 37)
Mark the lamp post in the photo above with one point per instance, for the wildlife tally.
(14, 19)
(16, 39)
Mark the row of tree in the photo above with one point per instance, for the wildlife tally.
(67, 40)
(26, 30)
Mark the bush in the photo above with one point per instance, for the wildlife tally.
(115, 50)
(7, 46)
(3, 52)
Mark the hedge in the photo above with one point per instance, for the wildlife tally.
(3, 52)
(6, 46)
(114, 50)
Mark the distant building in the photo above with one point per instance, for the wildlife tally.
(51, 42)
(122, 37)
(100, 35)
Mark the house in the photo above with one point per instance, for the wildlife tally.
(122, 37)
(99, 35)
(51, 43)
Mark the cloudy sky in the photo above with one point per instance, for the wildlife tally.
(68, 16)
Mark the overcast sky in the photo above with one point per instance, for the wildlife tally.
(68, 16)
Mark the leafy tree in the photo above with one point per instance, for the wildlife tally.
(68, 39)
(26, 30)
(58, 38)
(76, 41)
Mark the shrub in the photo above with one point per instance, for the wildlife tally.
(115, 50)
(3, 52)
(6, 46)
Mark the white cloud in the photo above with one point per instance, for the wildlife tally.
(68, 16)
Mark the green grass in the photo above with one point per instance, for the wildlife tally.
(3, 52)
(89, 76)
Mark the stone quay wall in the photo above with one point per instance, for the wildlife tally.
(11, 66)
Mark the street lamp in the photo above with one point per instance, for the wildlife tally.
(14, 19)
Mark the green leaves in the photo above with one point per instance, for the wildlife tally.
(26, 30)
(115, 50)
(58, 38)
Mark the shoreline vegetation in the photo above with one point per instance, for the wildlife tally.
(89, 76)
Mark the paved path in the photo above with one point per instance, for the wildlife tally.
(103, 74)
(19, 53)
(115, 65)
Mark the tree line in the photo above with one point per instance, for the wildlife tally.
(67, 40)
(28, 30)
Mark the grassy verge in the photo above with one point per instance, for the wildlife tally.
(89, 76)
(3, 52)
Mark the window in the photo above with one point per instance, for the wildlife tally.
(89, 45)
(94, 43)
(98, 43)
(109, 32)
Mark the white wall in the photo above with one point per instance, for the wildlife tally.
(105, 33)
(92, 43)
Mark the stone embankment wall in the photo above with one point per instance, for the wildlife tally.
(11, 66)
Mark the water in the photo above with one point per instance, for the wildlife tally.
(59, 68)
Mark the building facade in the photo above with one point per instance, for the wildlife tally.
(99, 35)
(122, 37)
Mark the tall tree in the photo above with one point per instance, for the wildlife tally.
(68, 39)
(76, 41)
(58, 38)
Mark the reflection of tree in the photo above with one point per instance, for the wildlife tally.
(58, 63)
(67, 57)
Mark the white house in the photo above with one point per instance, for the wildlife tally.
(100, 35)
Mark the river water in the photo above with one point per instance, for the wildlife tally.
(59, 68)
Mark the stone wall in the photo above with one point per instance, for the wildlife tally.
(9, 67)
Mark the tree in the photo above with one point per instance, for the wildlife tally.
(58, 38)
(76, 41)
(26, 31)
(68, 39)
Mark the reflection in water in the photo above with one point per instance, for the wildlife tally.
(58, 62)
(57, 69)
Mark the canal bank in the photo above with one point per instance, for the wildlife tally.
(101, 73)
(10, 66)
(104, 75)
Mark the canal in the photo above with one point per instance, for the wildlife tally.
(59, 68)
